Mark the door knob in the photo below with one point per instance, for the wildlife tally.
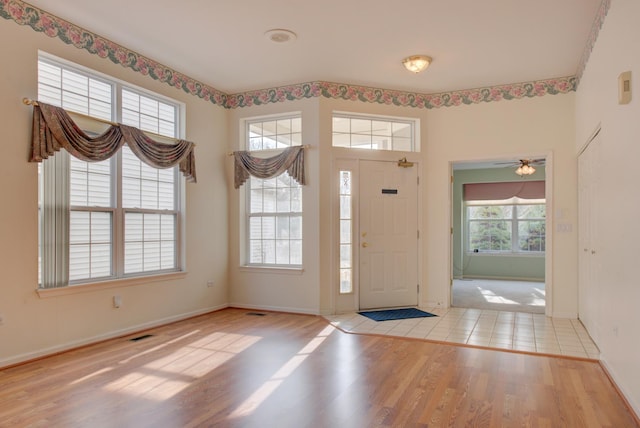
(365, 244)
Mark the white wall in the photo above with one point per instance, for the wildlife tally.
(33, 325)
(526, 127)
(617, 290)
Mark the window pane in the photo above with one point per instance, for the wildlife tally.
(345, 256)
(295, 251)
(402, 144)
(282, 252)
(90, 183)
(341, 125)
(345, 231)
(295, 227)
(346, 285)
(150, 242)
(90, 238)
(282, 227)
(490, 235)
(341, 140)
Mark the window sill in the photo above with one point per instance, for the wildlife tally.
(44, 293)
(507, 254)
(278, 270)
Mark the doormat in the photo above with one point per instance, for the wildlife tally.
(396, 314)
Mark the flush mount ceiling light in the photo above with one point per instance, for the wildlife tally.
(417, 63)
(281, 36)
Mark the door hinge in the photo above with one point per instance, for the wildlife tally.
(452, 230)
(418, 234)
(452, 178)
(451, 282)
(418, 287)
(418, 180)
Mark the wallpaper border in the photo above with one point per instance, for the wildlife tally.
(41, 21)
(598, 22)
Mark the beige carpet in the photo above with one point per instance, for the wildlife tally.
(513, 296)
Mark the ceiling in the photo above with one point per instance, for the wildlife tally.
(222, 43)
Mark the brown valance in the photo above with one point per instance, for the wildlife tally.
(503, 190)
(53, 129)
(291, 160)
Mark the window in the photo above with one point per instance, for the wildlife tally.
(503, 227)
(274, 206)
(123, 216)
(374, 133)
(346, 227)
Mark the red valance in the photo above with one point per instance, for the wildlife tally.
(503, 190)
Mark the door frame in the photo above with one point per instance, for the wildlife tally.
(548, 257)
(347, 160)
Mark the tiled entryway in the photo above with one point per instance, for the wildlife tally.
(487, 328)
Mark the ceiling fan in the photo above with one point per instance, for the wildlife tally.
(524, 166)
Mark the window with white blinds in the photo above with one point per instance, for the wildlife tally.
(124, 217)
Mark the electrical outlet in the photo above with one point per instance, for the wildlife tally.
(117, 301)
(210, 283)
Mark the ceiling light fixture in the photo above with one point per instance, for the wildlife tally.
(525, 168)
(281, 36)
(417, 63)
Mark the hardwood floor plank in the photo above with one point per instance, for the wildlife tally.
(230, 369)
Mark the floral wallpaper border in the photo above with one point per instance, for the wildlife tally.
(400, 98)
(44, 22)
(53, 26)
(593, 36)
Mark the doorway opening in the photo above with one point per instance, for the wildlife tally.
(498, 235)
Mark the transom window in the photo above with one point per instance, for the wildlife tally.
(274, 206)
(516, 226)
(374, 133)
(124, 217)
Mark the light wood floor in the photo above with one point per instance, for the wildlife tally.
(231, 369)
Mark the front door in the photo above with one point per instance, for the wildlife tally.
(388, 235)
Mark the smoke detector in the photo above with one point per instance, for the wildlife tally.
(281, 36)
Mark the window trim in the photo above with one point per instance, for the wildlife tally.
(414, 122)
(245, 204)
(118, 277)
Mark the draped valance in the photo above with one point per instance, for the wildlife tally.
(54, 129)
(290, 160)
(504, 190)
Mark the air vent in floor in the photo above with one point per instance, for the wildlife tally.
(144, 336)
(256, 314)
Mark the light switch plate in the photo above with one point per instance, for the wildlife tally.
(624, 88)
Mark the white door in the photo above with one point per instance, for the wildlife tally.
(588, 263)
(388, 235)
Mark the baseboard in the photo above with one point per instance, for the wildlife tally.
(634, 408)
(569, 315)
(29, 356)
(275, 309)
(502, 278)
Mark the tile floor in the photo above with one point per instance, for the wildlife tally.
(486, 328)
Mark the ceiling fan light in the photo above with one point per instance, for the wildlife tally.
(520, 170)
(417, 63)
